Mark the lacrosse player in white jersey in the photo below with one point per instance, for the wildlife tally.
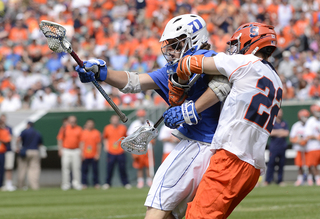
(299, 140)
(246, 119)
(176, 180)
(313, 145)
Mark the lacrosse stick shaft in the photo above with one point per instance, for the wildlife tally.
(160, 120)
(151, 161)
(122, 116)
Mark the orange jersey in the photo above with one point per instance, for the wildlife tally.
(70, 136)
(4, 137)
(113, 134)
(91, 139)
(314, 91)
(17, 35)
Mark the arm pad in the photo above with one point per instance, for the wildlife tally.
(133, 85)
(220, 86)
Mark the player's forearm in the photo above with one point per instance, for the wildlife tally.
(209, 66)
(117, 79)
(137, 82)
(206, 100)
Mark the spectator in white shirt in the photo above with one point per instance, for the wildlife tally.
(285, 13)
(39, 102)
(50, 98)
(94, 100)
(286, 65)
(11, 102)
(23, 81)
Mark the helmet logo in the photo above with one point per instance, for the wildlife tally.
(254, 31)
(196, 25)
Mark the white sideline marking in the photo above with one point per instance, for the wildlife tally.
(274, 208)
(33, 118)
(114, 216)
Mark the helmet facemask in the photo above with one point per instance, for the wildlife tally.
(174, 49)
(234, 46)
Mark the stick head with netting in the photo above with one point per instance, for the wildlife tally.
(137, 143)
(55, 34)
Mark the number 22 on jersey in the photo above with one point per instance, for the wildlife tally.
(264, 120)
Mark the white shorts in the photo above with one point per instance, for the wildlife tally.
(9, 160)
(178, 177)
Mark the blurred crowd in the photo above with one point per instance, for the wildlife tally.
(126, 34)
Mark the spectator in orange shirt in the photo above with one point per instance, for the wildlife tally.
(301, 25)
(90, 145)
(272, 9)
(112, 134)
(5, 138)
(288, 90)
(19, 32)
(227, 5)
(68, 144)
(314, 91)
(220, 40)
(308, 75)
(204, 8)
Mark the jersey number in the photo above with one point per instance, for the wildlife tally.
(259, 99)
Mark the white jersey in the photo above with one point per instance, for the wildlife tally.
(250, 110)
(298, 130)
(312, 129)
(165, 132)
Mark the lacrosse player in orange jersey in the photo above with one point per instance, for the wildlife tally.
(313, 145)
(299, 140)
(245, 122)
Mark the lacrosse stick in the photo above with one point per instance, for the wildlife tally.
(137, 143)
(151, 161)
(55, 35)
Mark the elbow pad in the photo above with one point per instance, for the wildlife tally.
(133, 85)
(220, 86)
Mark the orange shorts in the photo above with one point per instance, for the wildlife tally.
(226, 182)
(300, 159)
(313, 158)
(140, 161)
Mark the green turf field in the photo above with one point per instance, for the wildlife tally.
(263, 202)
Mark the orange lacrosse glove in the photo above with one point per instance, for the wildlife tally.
(176, 94)
(190, 64)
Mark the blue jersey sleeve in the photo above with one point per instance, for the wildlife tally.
(160, 77)
(205, 129)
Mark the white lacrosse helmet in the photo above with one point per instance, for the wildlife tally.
(192, 26)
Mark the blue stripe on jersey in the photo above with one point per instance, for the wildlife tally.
(205, 129)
